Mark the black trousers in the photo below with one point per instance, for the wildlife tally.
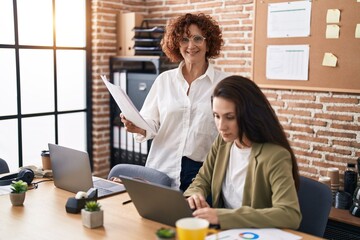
(189, 169)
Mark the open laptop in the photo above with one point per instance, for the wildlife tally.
(156, 202)
(72, 172)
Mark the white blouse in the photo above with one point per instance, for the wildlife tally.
(184, 123)
(233, 184)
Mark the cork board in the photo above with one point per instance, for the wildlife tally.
(345, 77)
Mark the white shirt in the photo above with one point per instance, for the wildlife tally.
(184, 123)
(233, 184)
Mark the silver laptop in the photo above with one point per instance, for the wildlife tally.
(72, 172)
(156, 202)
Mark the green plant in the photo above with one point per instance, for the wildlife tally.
(18, 186)
(165, 233)
(92, 206)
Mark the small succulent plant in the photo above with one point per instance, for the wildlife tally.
(18, 186)
(92, 206)
(165, 233)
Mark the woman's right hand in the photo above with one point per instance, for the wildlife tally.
(197, 201)
(130, 127)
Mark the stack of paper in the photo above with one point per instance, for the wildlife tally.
(254, 233)
(126, 106)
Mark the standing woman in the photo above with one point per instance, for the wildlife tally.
(250, 171)
(178, 104)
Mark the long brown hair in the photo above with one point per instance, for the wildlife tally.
(255, 117)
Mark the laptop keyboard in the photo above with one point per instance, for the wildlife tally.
(103, 191)
(103, 184)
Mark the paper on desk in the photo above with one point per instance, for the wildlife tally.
(126, 106)
(253, 233)
(5, 190)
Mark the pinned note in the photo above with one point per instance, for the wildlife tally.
(332, 31)
(357, 30)
(329, 60)
(333, 16)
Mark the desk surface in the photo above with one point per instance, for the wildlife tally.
(344, 216)
(43, 216)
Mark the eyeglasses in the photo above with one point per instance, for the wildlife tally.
(196, 39)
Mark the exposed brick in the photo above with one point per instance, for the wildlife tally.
(354, 109)
(353, 127)
(294, 112)
(306, 154)
(334, 100)
(336, 134)
(298, 97)
(310, 139)
(310, 122)
(352, 144)
(334, 117)
(305, 105)
(308, 169)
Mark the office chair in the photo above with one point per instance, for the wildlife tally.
(4, 168)
(141, 172)
(315, 201)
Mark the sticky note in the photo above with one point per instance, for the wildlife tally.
(329, 60)
(333, 16)
(357, 30)
(332, 31)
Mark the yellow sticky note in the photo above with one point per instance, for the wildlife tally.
(332, 31)
(357, 30)
(333, 16)
(329, 60)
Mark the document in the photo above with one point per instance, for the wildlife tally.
(126, 106)
(4, 190)
(253, 233)
(287, 62)
(289, 19)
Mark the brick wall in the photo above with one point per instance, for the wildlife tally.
(323, 127)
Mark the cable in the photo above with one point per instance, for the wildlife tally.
(35, 185)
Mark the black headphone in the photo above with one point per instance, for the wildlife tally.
(25, 174)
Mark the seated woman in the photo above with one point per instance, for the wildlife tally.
(250, 171)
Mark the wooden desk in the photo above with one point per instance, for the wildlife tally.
(43, 216)
(344, 216)
(342, 225)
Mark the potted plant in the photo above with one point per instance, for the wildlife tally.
(165, 234)
(92, 215)
(18, 190)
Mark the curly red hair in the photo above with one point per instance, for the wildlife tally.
(177, 27)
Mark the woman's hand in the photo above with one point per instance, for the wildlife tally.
(208, 214)
(197, 201)
(130, 127)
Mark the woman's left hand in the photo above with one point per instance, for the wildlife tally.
(208, 214)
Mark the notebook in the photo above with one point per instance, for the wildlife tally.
(155, 202)
(72, 172)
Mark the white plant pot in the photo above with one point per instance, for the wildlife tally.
(92, 219)
(17, 199)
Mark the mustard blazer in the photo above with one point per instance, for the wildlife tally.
(270, 197)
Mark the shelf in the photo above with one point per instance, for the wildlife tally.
(144, 39)
(149, 30)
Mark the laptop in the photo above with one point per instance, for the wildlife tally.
(72, 172)
(156, 202)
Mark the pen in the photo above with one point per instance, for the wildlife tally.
(126, 202)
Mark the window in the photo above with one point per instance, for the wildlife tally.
(44, 78)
